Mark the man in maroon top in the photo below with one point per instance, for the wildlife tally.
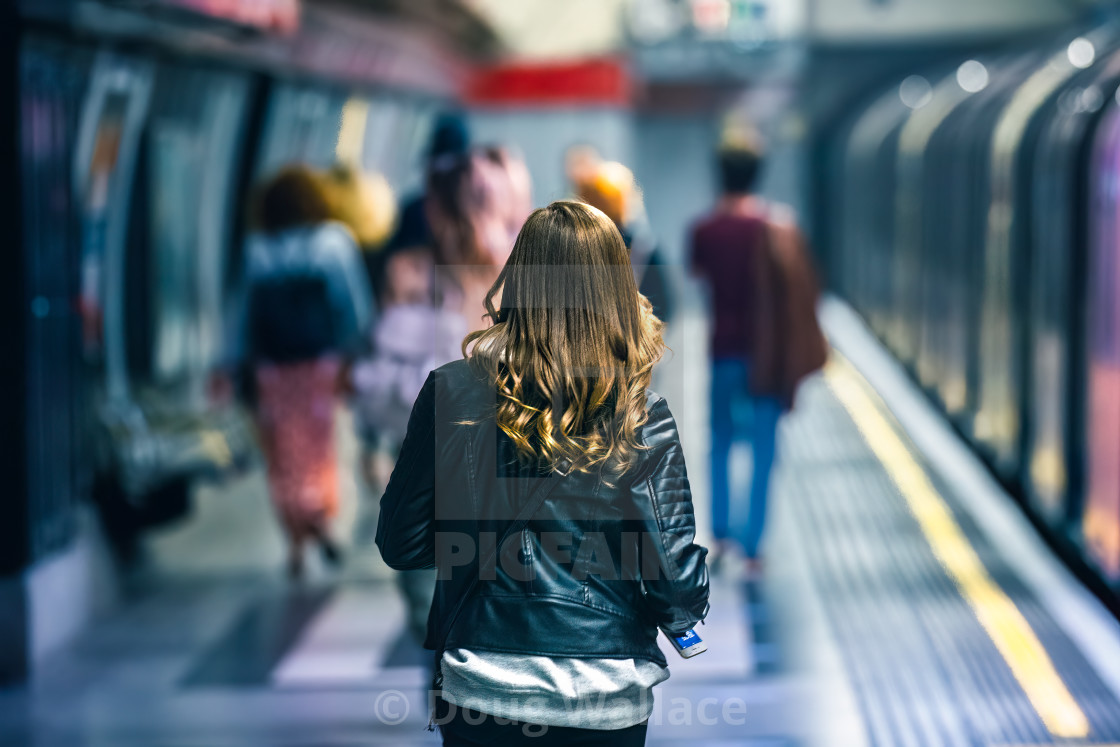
(729, 251)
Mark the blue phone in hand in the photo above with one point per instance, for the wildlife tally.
(687, 645)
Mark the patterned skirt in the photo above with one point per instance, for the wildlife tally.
(295, 417)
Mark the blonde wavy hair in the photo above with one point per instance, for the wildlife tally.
(573, 345)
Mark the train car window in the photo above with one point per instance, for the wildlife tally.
(378, 151)
(302, 125)
(420, 130)
(380, 132)
(395, 141)
(113, 113)
(191, 149)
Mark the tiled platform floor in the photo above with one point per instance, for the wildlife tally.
(860, 631)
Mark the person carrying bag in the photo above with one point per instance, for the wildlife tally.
(764, 338)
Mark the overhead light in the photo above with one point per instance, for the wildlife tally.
(972, 76)
(1091, 100)
(915, 92)
(1081, 52)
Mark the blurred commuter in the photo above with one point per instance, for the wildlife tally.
(516, 184)
(475, 209)
(435, 295)
(366, 205)
(450, 142)
(581, 161)
(611, 187)
(548, 430)
(765, 337)
(308, 307)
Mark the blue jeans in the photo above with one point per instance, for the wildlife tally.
(730, 395)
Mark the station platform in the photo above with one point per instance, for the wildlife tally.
(904, 601)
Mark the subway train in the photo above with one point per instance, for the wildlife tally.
(141, 129)
(973, 220)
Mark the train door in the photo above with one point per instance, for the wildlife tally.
(957, 183)
(975, 139)
(1052, 472)
(184, 212)
(193, 146)
(881, 228)
(1004, 376)
(1101, 518)
(158, 159)
(112, 121)
(116, 103)
(921, 263)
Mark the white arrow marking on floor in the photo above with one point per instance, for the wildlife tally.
(347, 643)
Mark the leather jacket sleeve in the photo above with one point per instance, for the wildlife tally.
(405, 529)
(678, 595)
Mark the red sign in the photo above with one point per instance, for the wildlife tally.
(603, 82)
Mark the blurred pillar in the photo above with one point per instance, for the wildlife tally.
(14, 536)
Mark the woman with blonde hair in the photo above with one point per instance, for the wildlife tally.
(546, 485)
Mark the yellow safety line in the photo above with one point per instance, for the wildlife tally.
(1000, 618)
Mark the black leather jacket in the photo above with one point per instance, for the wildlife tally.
(598, 568)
